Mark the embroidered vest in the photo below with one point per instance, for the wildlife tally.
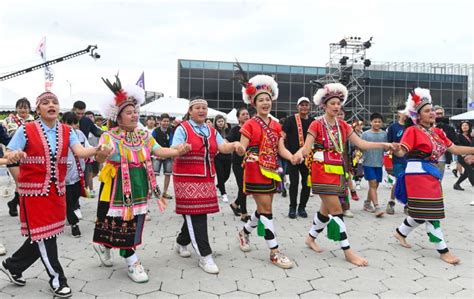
(201, 158)
(41, 168)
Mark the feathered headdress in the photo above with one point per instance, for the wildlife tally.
(417, 99)
(329, 91)
(122, 97)
(255, 86)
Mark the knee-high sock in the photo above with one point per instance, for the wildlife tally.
(319, 223)
(252, 223)
(435, 233)
(343, 241)
(408, 225)
(267, 220)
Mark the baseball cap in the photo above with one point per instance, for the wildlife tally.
(302, 99)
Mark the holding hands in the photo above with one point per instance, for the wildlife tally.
(297, 158)
(14, 156)
(103, 152)
(184, 148)
(239, 148)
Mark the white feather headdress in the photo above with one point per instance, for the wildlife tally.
(417, 99)
(121, 98)
(329, 91)
(257, 85)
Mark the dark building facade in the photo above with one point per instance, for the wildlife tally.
(382, 89)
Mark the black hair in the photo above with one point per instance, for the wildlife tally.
(22, 103)
(401, 107)
(165, 115)
(150, 117)
(69, 118)
(89, 113)
(79, 105)
(240, 110)
(469, 130)
(376, 115)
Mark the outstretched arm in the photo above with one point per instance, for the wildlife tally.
(366, 145)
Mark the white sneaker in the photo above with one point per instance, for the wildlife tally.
(208, 265)
(182, 250)
(224, 198)
(137, 273)
(104, 254)
(472, 203)
(348, 214)
(148, 216)
(3, 251)
(92, 194)
(78, 214)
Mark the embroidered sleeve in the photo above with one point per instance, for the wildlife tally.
(409, 138)
(314, 128)
(247, 130)
(444, 138)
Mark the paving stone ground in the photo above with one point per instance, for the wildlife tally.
(393, 271)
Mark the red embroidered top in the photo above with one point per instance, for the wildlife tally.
(263, 142)
(425, 143)
(201, 158)
(318, 130)
(41, 168)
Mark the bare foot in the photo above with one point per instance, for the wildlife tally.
(402, 240)
(449, 258)
(312, 244)
(353, 258)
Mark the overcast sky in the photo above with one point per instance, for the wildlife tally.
(135, 36)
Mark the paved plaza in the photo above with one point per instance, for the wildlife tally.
(393, 271)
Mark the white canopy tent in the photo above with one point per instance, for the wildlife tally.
(94, 101)
(231, 117)
(175, 107)
(464, 116)
(8, 99)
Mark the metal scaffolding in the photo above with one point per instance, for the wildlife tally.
(347, 64)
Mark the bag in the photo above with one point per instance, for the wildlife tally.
(332, 158)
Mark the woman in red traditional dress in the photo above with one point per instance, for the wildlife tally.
(324, 143)
(41, 184)
(420, 185)
(194, 181)
(261, 136)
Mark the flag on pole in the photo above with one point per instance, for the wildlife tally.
(48, 72)
(141, 81)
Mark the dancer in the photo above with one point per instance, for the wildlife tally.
(261, 136)
(328, 135)
(41, 184)
(194, 181)
(127, 179)
(12, 123)
(424, 145)
(239, 206)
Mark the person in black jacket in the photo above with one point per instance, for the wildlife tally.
(164, 136)
(442, 122)
(465, 138)
(223, 162)
(86, 125)
(239, 206)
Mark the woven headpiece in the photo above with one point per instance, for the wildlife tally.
(417, 99)
(330, 91)
(122, 97)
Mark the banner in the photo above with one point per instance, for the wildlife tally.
(141, 81)
(48, 71)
